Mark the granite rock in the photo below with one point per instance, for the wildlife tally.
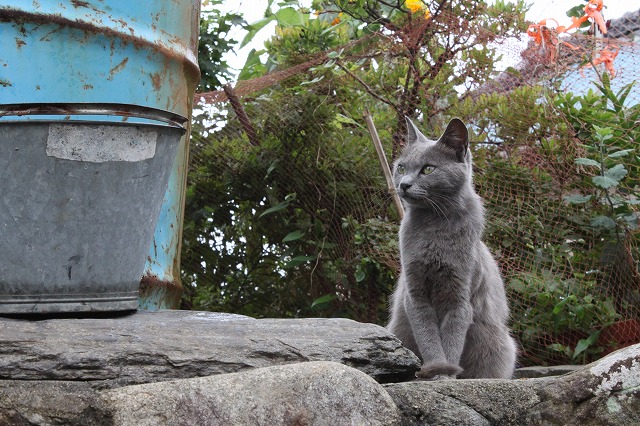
(310, 393)
(606, 392)
(42, 402)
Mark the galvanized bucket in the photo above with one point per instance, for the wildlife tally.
(94, 101)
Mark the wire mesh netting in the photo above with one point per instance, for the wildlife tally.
(288, 212)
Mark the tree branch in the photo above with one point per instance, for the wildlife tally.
(368, 88)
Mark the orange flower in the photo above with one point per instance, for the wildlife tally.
(591, 10)
(607, 56)
(414, 5)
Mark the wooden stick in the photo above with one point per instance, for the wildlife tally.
(383, 162)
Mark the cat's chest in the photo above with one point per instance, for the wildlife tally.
(430, 239)
(432, 248)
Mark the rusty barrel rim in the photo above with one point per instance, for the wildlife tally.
(86, 109)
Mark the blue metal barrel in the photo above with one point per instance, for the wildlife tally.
(95, 100)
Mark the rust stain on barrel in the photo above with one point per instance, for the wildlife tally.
(160, 293)
(79, 3)
(156, 80)
(117, 68)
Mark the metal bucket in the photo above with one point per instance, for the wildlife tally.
(94, 97)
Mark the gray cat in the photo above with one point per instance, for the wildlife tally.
(449, 306)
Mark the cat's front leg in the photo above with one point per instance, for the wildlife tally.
(453, 330)
(424, 323)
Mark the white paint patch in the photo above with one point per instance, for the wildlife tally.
(618, 376)
(100, 143)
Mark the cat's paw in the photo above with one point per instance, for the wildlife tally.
(438, 371)
(439, 377)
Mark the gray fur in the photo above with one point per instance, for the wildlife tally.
(449, 305)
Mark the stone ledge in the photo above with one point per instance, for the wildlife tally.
(151, 346)
(222, 369)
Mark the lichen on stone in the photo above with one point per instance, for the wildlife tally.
(618, 371)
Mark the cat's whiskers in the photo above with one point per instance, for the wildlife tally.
(438, 209)
(455, 202)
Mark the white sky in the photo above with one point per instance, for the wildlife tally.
(253, 10)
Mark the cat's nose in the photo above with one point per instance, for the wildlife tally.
(405, 186)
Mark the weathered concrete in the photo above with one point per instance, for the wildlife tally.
(311, 393)
(148, 347)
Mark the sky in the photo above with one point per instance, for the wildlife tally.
(253, 10)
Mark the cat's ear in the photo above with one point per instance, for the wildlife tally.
(456, 137)
(412, 131)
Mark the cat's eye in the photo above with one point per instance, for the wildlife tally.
(427, 170)
(400, 169)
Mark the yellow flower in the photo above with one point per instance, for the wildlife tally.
(427, 14)
(414, 5)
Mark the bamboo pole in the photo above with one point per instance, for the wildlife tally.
(383, 162)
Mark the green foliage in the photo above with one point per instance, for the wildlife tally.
(566, 214)
(302, 224)
(294, 44)
(375, 259)
(214, 42)
(605, 199)
(264, 233)
(578, 12)
(608, 194)
(277, 223)
(288, 18)
(412, 66)
(517, 118)
(562, 316)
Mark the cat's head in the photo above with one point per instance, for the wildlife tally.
(431, 173)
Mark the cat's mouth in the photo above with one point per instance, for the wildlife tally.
(407, 196)
(411, 199)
